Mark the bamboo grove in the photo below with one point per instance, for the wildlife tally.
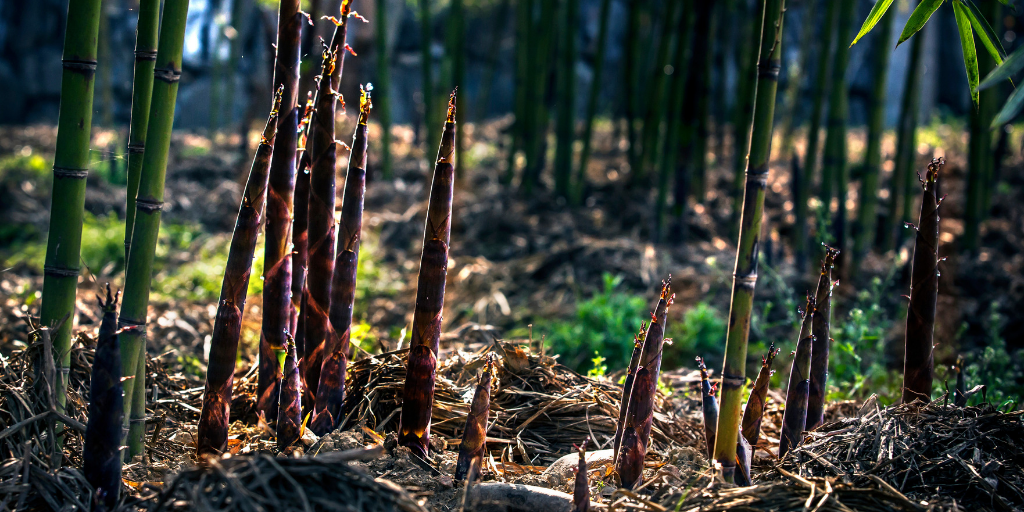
(311, 259)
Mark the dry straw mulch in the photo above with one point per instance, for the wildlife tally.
(538, 408)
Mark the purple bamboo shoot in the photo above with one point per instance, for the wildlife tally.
(627, 387)
(818, 385)
(300, 229)
(709, 406)
(794, 419)
(918, 365)
(102, 451)
(474, 446)
(212, 437)
(323, 152)
(581, 489)
(751, 425)
(418, 395)
(289, 413)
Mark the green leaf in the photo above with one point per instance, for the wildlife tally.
(1013, 106)
(989, 38)
(963, 25)
(881, 6)
(918, 18)
(1009, 67)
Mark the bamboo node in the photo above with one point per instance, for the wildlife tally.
(148, 205)
(142, 55)
(55, 271)
(79, 65)
(70, 172)
(167, 75)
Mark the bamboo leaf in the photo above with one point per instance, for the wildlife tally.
(988, 36)
(918, 18)
(1013, 106)
(967, 44)
(876, 14)
(1009, 67)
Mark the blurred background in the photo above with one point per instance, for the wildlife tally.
(602, 147)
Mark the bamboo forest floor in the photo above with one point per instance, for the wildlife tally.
(514, 260)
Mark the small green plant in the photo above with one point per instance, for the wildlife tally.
(700, 333)
(995, 366)
(604, 323)
(598, 368)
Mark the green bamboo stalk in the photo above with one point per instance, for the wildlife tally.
(699, 160)
(105, 80)
(212, 436)
(834, 169)
(148, 205)
(383, 88)
(629, 88)
(918, 369)
(676, 96)
(536, 151)
(240, 10)
(426, 77)
(331, 389)
(695, 96)
(981, 161)
(566, 121)
(70, 168)
(520, 135)
(499, 23)
(418, 394)
(810, 168)
(596, 84)
(818, 385)
(733, 372)
(795, 79)
(864, 230)
(655, 96)
(277, 258)
(906, 148)
(743, 112)
(455, 32)
(318, 338)
(794, 418)
(754, 411)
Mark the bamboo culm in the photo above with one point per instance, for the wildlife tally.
(70, 169)
(745, 272)
(331, 390)
(142, 94)
(818, 384)
(102, 451)
(565, 129)
(676, 95)
(473, 446)
(636, 432)
(906, 146)
(656, 94)
(754, 411)
(918, 365)
(743, 111)
(277, 258)
(323, 150)
(427, 79)
(834, 169)
(864, 229)
(418, 394)
(595, 91)
(212, 436)
(148, 205)
(794, 418)
(383, 88)
(810, 167)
